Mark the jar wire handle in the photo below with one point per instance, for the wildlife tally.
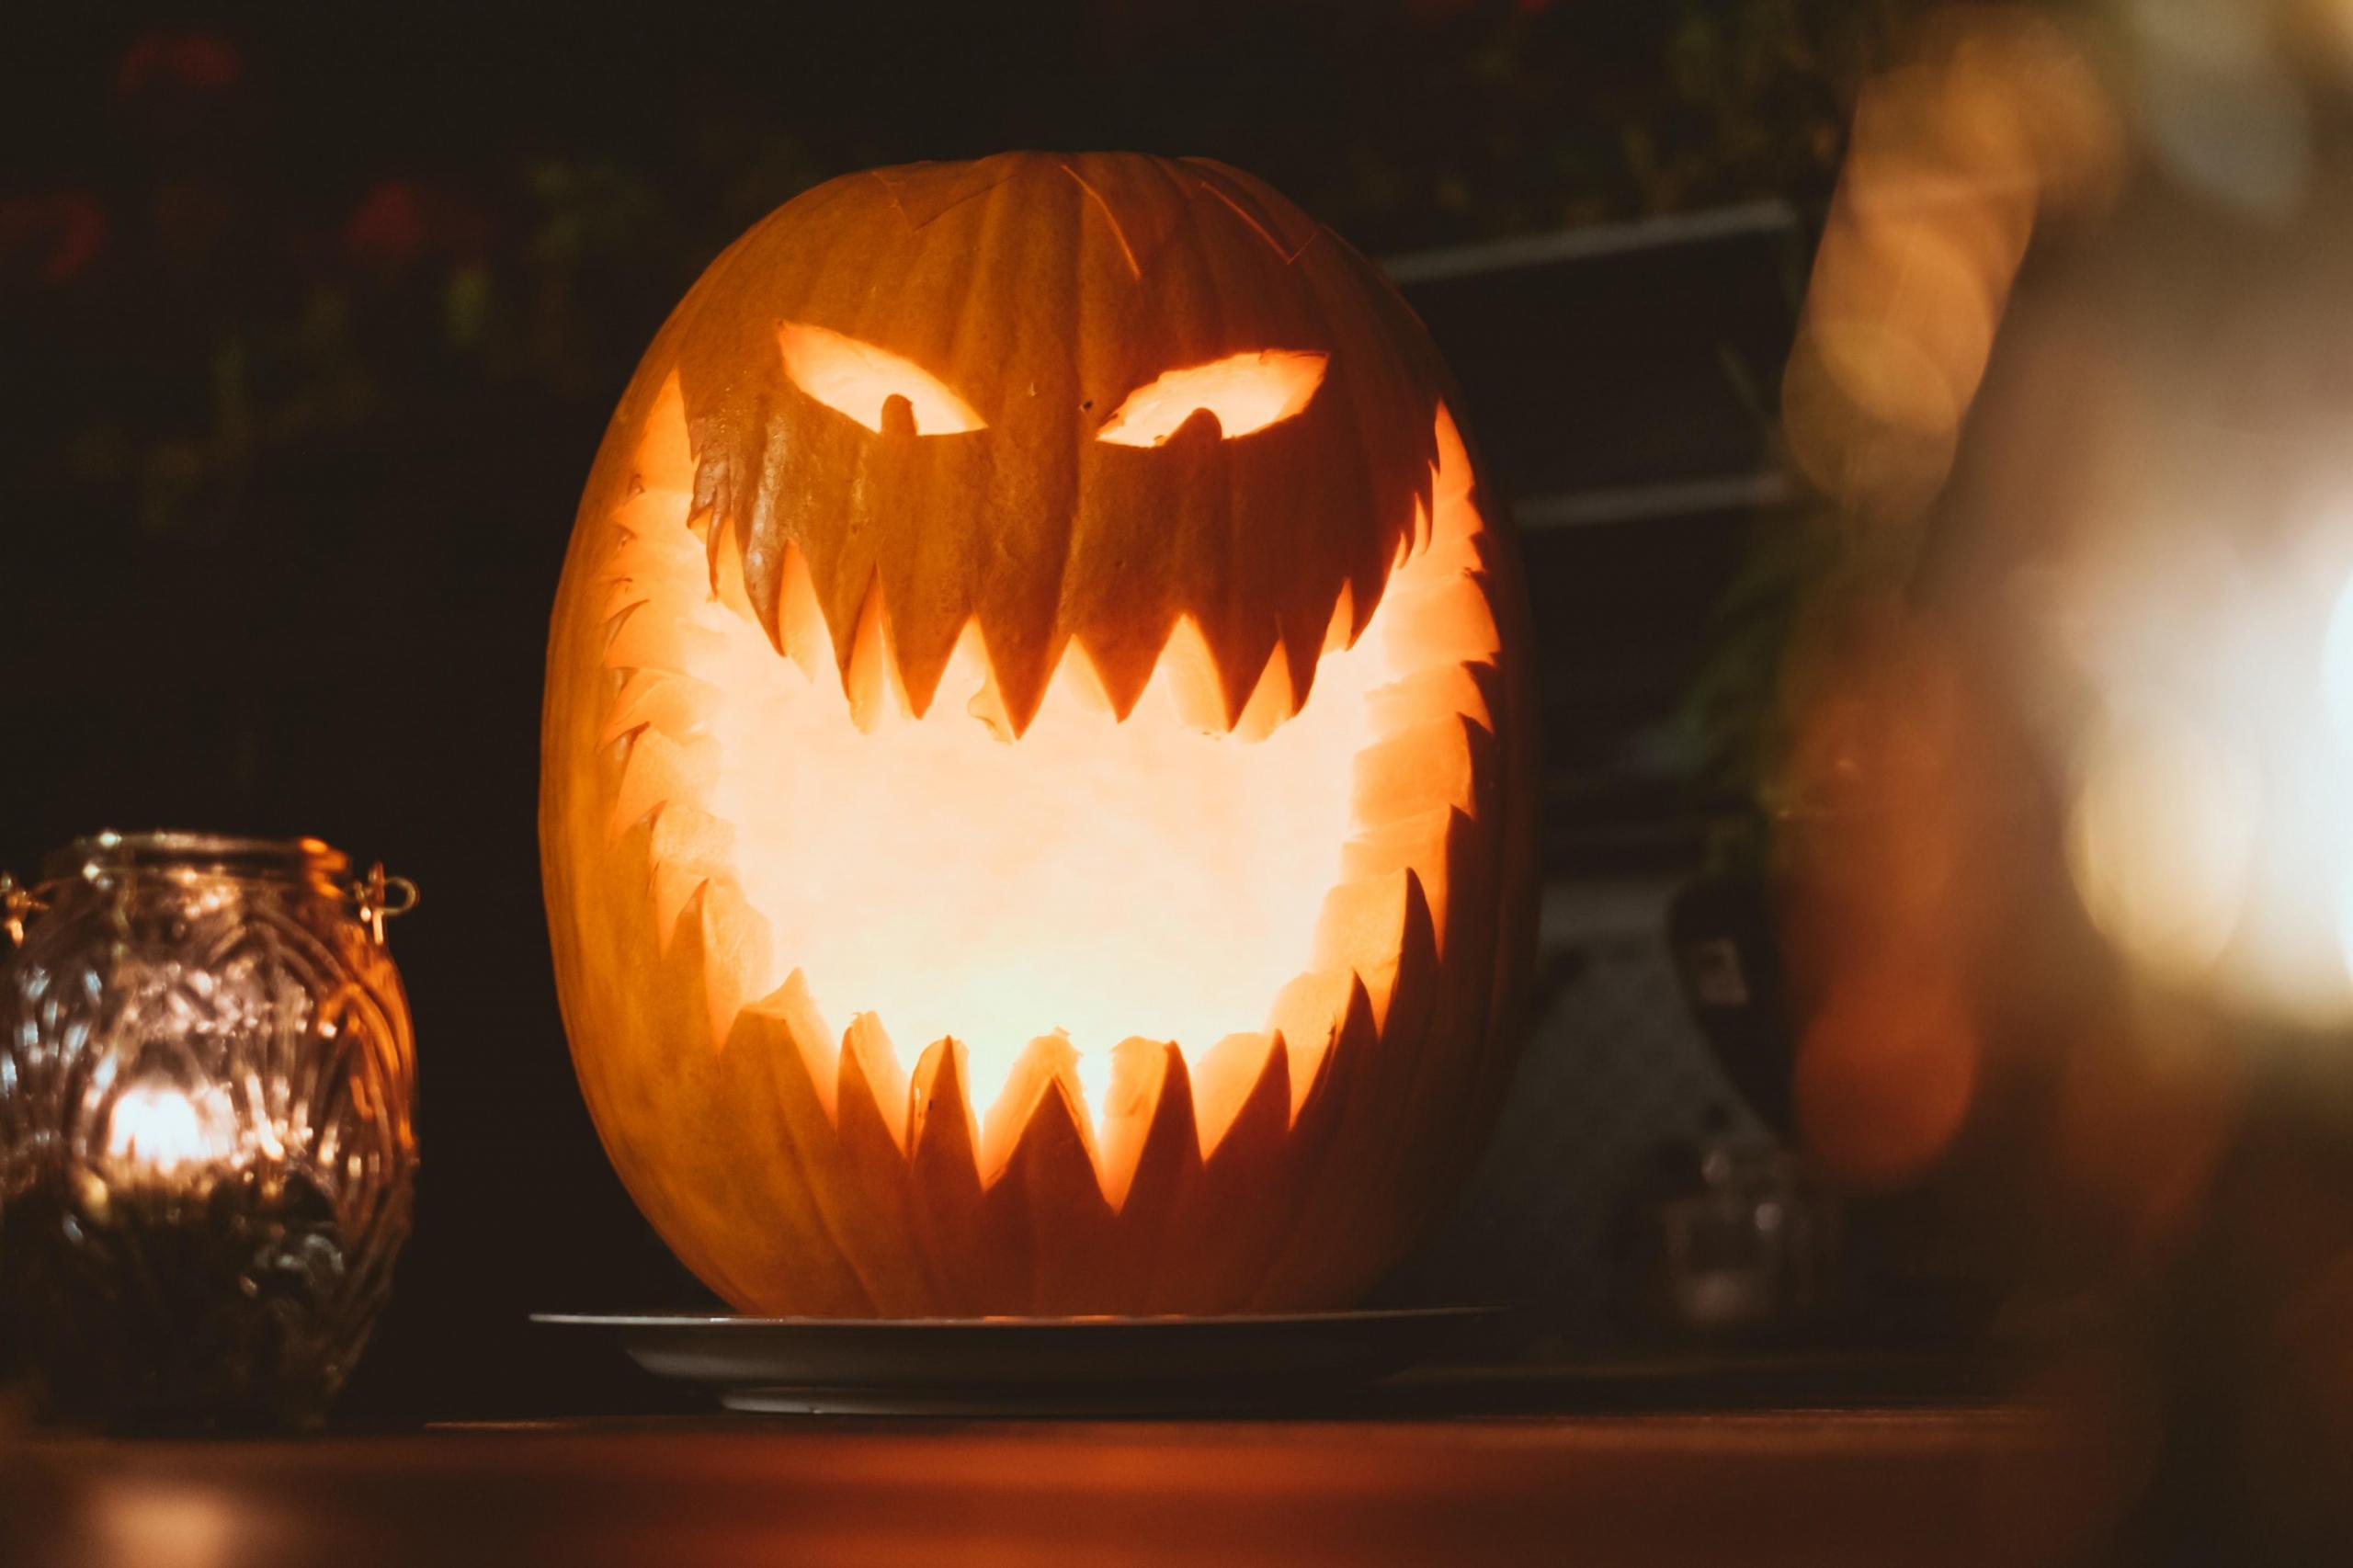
(18, 904)
(382, 898)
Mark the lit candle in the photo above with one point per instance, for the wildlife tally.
(161, 1137)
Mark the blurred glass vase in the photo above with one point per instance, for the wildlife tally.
(206, 1153)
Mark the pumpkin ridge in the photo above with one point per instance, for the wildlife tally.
(1127, 250)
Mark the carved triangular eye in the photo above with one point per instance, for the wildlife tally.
(1246, 391)
(858, 380)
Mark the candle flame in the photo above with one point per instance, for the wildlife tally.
(159, 1129)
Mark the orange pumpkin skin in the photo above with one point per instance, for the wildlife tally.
(800, 1168)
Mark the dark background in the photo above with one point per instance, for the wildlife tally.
(311, 324)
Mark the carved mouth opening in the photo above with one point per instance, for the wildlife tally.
(979, 924)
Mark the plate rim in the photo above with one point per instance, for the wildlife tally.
(740, 1322)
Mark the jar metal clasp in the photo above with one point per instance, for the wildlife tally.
(18, 904)
(381, 898)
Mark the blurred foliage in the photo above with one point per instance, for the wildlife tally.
(187, 308)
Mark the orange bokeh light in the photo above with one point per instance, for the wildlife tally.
(1886, 1074)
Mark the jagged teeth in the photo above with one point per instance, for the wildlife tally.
(1422, 802)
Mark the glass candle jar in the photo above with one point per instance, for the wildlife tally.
(206, 1153)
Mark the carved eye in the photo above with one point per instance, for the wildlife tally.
(1245, 392)
(858, 380)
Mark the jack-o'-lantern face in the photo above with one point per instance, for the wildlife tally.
(1035, 761)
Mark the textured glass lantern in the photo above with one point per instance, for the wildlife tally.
(205, 1156)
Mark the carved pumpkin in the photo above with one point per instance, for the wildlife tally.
(1036, 761)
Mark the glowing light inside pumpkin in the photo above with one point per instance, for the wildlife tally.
(1043, 899)
(1245, 392)
(858, 380)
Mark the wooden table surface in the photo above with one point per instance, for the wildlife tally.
(1916, 1487)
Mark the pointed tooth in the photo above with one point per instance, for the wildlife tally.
(1242, 657)
(1126, 657)
(1049, 1190)
(922, 648)
(1260, 1179)
(869, 678)
(1415, 842)
(1451, 621)
(855, 627)
(967, 1260)
(1077, 679)
(1307, 1013)
(673, 890)
(1322, 1256)
(1048, 1064)
(657, 770)
(1306, 637)
(651, 556)
(1493, 692)
(795, 618)
(669, 702)
(871, 1198)
(1233, 1071)
(1221, 1233)
(1360, 924)
(941, 1128)
(1191, 674)
(874, 1197)
(795, 1262)
(979, 1246)
(1412, 972)
(1020, 669)
(676, 893)
(666, 455)
(867, 1051)
(1270, 703)
(986, 703)
(1263, 1115)
(1467, 945)
(836, 1153)
(693, 840)
(1417, 1066)
(764, 582)
(1133, 1110)
(1424, 768)
(791, 1010)
(727, 586)
(1342, 631)
(738, 954)
(1367, 924)
(1364, 599)
(645, 641)
(1453, 474)
(625, 594)
(654, 554)
(1317, 1113)
(1459, 547)
(1428, 694)
(652, 548)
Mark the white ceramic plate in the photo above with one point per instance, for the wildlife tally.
(1057, 1366)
